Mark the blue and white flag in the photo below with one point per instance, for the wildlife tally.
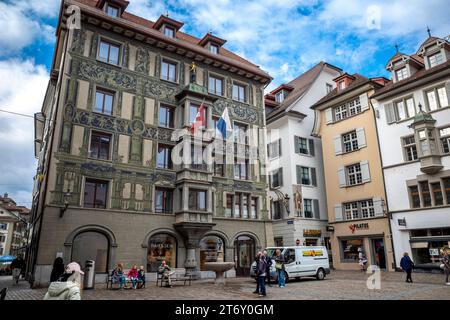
(224, 125)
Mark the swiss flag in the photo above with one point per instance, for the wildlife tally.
(199, 119)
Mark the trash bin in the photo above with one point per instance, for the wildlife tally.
(89, 274)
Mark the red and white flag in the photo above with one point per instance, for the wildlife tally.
(199, 120)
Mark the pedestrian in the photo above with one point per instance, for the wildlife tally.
(407, 265)
(261, 268)
(258, 255)
(17, 265)
(117, 276)
(279, 266)
(446, 265)
(133, 275)
(362, 259)
(268, 266)
(297, 242)
(58, 269)
(166, 272)
(68, 286)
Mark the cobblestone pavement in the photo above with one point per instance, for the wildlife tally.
(342, 285)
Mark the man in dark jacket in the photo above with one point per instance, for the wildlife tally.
(17, 266)
(268, 265)
(407, 266)
(261, 267)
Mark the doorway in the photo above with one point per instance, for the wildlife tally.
(378, 253)
(244, 255)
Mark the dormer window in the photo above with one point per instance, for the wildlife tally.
(214, 48)
(435, 59)
(169, 32)
(342, 85)
(401, 74)
(112, 11)
(279, 97)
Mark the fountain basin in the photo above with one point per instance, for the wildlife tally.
(219, 268)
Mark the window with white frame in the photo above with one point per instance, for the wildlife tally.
(112, 11)
(108, 52)
(367, 209)
(169, 32)
(354, 107)
(354, 175)
(351, 211)
(432, 101)
(410, 148)
(401, 74)
(435, 59)
(302, 145)
(350, 141)
(340, 112)
(279, 96)
(444, 134)
(239, 92)
(405, 108)
(437, 98)
(214, 48)
(308, 208)
(442, 97)
(274, 149)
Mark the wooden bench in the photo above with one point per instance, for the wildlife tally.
(179, 274)
(109, 281)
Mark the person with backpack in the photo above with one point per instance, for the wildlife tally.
(68, 286)
(261, 268)
(407, 265)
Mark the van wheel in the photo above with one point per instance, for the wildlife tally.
(320, 274)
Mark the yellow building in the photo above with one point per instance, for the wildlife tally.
(345, 121)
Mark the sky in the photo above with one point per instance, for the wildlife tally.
(283, 37)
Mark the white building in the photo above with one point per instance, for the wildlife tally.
(297, 187)
(413, 123)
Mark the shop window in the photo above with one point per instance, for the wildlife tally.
(161, 247)
(350, 249)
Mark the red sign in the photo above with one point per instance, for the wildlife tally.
(358, 226)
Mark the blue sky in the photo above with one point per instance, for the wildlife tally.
(284, 37)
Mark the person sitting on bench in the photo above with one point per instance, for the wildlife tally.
(166, 272)
(141, 277)
(118, 276)
(133, 276)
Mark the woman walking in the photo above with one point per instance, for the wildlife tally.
(279, 266)
(58, 269)
(68, 286)
(407, 265)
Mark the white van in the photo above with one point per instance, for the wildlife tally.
(300, 261)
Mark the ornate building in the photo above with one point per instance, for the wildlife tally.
(122, 97)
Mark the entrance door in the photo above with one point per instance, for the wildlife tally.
(378, 253)
(244, 255)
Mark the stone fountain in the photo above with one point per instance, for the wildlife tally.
(219, 267)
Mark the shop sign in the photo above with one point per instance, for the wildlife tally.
(290, 222)
(434, 252)
(330, 228)
(312, 253)
(312, 233)
(358, 226)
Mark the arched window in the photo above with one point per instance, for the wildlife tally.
(161, 247)
(91, 245)
(211, 247)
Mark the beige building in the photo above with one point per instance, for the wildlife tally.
(123, 94)
(345, 121)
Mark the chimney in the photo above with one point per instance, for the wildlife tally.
(343, 81)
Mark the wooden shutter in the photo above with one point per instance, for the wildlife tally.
(338, 212)
(365, 171)
(313, 177)
(296, 144)
(328, 115)
(280, 177)
(363, 99)
(390, 113)
(311, 147)
(341, 176)
(447, 85)
(299, 177)
(316, 209)
(361, 138)
(268, 150)
(337, 145)
(378, 207)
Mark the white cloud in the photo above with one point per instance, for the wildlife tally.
(22, 89)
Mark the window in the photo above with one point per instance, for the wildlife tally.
(351, 211)
(401, 74)
(239, 92)
(3, 226)
(279, 96)
(104, 101)
(329, 87)
(401, 112)
(215, 85)
(197, 200)
(340, 112)
(350, 141)
(426, 196)
(437, 194)
(229, 205)
(432, 101)
(302, 145)
(367, 209)
(112, 11)
(341, 85)
(240, 133)
(276, 178)
(410, 108)
(169, 70)
(163, 200)
(446, 184)
(169, 32)
(354, 106)
(435, 59)
(410, 148)
(245, 205)
(350, 248)
(214, 48)
(193, 110)
(304, 176)
(241, 169)
(2, 238)
(166, 116)
(237, 205)
(442, 94)
(354, 174)
(164, 158)
(100, 145)
(95, 192)
(307, 208)
(274, 149)
(161, 247)
(219, 165)
(254, 208)
(277, 210)
(415, 196)
(109, 52)
(2, 250)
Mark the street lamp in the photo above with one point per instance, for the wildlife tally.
(66, 198)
